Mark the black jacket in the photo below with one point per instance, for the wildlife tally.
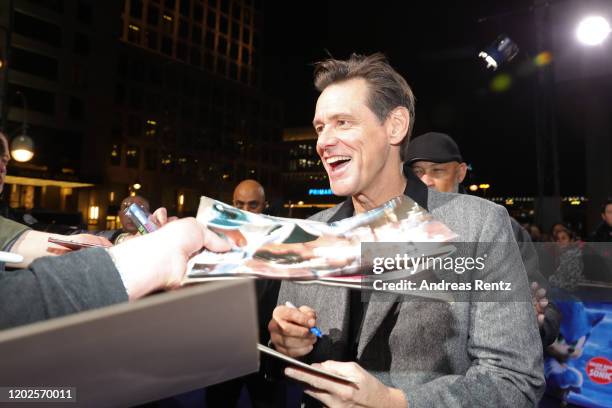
(603, 233)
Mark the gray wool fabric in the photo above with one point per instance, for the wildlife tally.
(469, 353)
(57, 286)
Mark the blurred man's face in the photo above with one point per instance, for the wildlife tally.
(607, 215)
(128, 225)
(443, 177)
(249, 197)
(352, 143)
(4, 159)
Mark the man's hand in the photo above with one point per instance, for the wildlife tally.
(160, 217)
(159, 260)
(366, 392)
(539, 300)
(290, 330)
(35, 244)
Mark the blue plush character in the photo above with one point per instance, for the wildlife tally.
(576, 326)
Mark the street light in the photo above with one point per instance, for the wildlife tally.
(593, 30)
(22, 146)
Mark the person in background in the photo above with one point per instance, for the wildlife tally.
(249, 195)
(559, 226)
(603, 233)
(535, 233)
(570, 266)
(435, 158)
(128, 228)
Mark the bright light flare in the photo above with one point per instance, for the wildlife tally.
(593, 30)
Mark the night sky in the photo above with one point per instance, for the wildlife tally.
(435, 48)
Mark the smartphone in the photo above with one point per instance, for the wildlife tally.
(66, 243)
(141, 218)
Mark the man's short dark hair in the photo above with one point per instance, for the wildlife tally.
(388, 89)
(605, 204)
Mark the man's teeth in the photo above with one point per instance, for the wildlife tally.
(336, 159)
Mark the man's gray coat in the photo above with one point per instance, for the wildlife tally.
(438, 353)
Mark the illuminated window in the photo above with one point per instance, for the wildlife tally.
(134, 33)
(112, 222)
(167, 24)
(150, 128)
(132, 157)
(115, 155)
(167, 162)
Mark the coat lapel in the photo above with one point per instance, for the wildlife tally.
(379, 304)
(378, 308)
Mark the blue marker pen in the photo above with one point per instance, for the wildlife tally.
(314, 330)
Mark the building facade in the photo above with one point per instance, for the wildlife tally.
(305, 183)
(159, 97)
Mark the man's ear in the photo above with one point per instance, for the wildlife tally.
(462, 171)
(398, 122)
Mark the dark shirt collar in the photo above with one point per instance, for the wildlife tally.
(415, 189)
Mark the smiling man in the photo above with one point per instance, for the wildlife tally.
(400, 351)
